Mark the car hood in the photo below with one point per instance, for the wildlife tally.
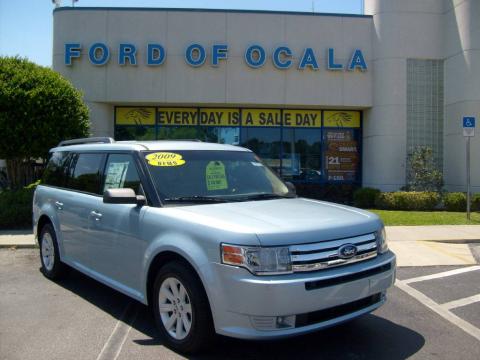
(287, 221)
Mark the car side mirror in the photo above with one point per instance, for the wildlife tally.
(291, 187)
(123, 196)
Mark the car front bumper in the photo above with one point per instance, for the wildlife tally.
(248, 306)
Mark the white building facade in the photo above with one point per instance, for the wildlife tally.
(322, 98)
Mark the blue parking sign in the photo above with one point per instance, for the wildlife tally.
(468, 122)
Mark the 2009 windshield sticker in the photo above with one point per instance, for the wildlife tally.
(215, 176)
(164, 159)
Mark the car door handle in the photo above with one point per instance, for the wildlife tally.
(59, 205)
(96, 215)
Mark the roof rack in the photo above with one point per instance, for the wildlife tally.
(90, 140)
(195, 140)
(143, 141)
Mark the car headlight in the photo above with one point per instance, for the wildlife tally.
(382, 246)
(258, 260)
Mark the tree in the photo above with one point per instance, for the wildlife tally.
(38, 109)
(423, 174)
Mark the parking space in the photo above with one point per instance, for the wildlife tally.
(82, 319)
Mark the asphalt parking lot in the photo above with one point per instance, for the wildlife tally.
(432, 313)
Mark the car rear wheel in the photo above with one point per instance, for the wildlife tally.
(181, 309)
(52, 267)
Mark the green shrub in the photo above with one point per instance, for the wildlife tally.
(16, 207)
(455, 201)
(38, 109)
(365, 197)
(407, 200)
(422, 171)
(476, 202)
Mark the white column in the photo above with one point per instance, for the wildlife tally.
(462, 90)
(402, 29)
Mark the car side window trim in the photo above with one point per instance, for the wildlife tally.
(145, 176)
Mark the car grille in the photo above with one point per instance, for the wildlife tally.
(326, 254)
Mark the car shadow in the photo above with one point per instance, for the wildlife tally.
(368, 337)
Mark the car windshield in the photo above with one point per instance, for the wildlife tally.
(212, 176)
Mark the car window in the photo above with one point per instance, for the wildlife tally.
(224, 175)
(85, 173)
(121, 172)
(54, 173)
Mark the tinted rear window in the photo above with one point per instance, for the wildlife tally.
(85, 172)
(54, 173)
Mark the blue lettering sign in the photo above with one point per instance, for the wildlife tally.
(308, 59)
(357, 61)
(255, 56)
(127, 51)
(155, 54)
(195, 55)
(219, 52)
(281, 57)
(72, 50)
(331, 65)
(104, 54)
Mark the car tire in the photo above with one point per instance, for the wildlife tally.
(185, 322)
(52, 267)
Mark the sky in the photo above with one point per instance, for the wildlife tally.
(26, 26)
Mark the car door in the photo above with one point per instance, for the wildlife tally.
(117, 250)
(79, 221)
(54, 193)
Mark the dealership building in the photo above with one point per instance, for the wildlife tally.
(321, 98)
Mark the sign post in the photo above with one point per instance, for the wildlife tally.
(468, 132)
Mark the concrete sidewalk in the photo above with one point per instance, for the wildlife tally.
(413, 245)
(433, 245)
(444, 233)
(17, 238)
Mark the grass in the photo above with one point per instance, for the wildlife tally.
(391, 217)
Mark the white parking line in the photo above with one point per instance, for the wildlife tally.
(442, 274)
(114, 344)
(439, 309)
(461, 302)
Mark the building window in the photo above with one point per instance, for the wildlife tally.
(303, 146)
(425, 107)
(220, 125)
(265, 142)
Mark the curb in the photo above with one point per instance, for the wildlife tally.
(455, 241)
(18, 246)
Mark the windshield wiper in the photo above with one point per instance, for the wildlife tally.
(266, 196)
(196, 198)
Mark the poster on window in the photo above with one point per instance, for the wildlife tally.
(341, 156)
(115, 176)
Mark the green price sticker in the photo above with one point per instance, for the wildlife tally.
(215, 176)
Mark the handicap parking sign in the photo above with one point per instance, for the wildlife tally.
(468, 122)
(468, 126)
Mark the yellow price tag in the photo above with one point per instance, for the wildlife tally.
(215, 176)
(164, 159)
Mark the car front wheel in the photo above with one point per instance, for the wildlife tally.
(181, 309)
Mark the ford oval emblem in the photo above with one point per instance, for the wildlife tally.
(347, 251)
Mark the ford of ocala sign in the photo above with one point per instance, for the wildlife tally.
(197, 55)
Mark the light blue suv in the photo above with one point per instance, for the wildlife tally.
(209, 237)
